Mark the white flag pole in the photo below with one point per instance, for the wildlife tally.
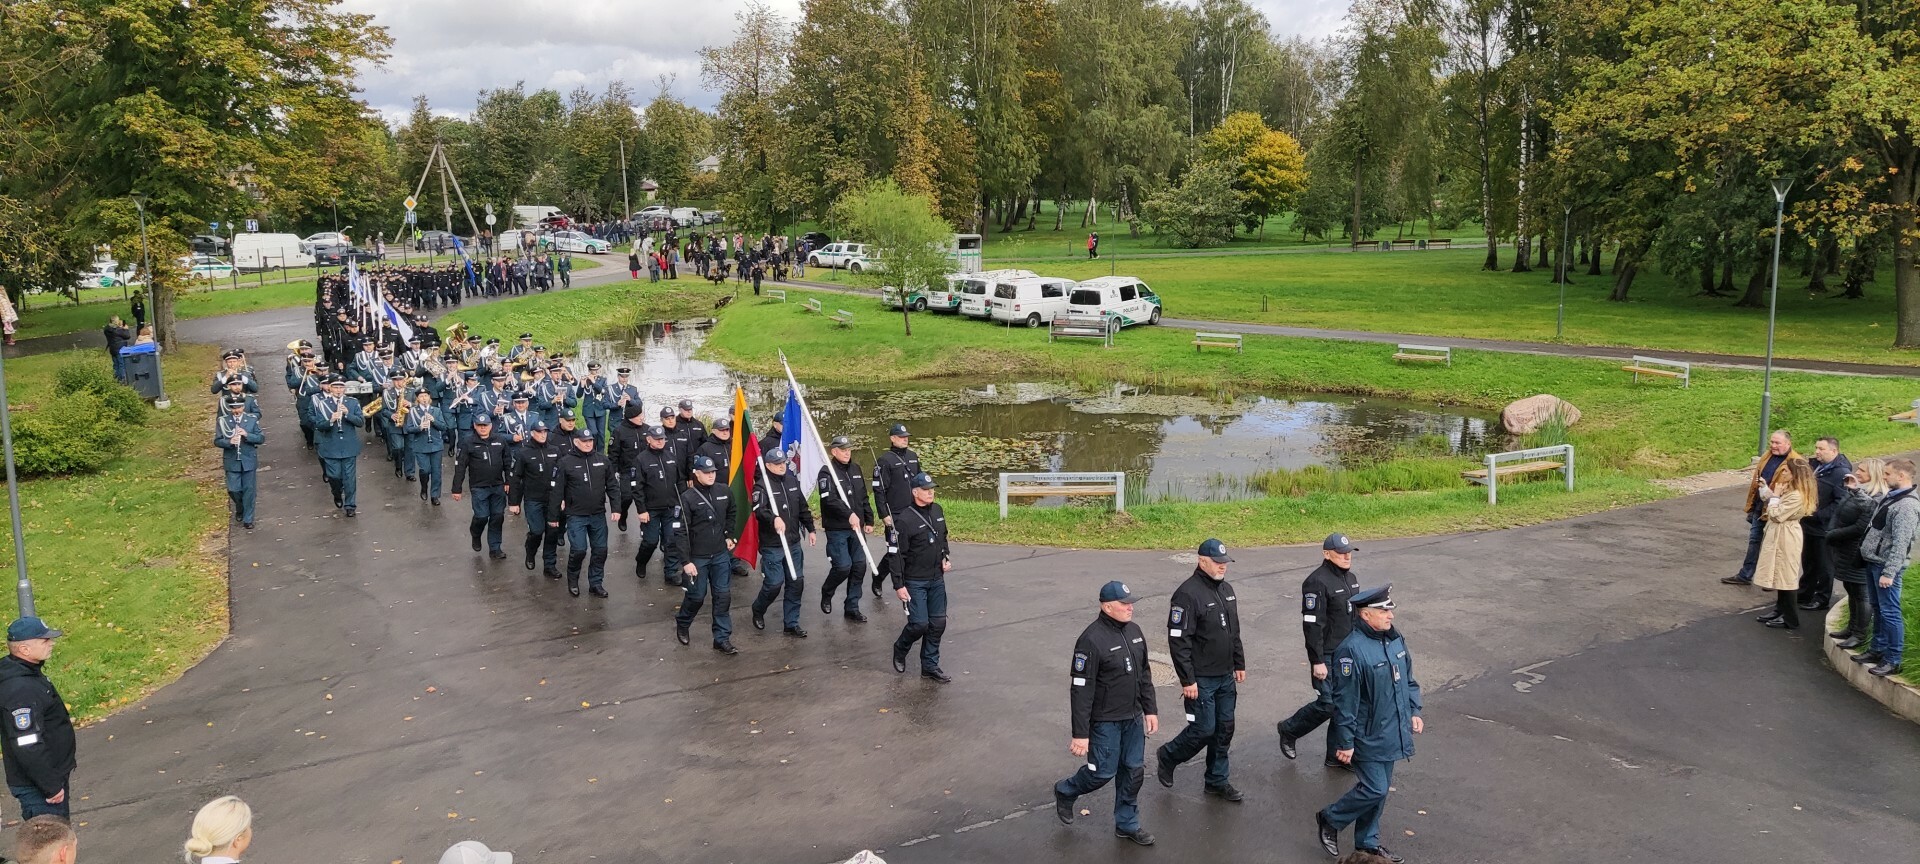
(766, 484)
(826, 460)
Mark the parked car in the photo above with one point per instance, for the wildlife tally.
(1128, 300)
(208, 244)
(325, 238)
(686, 217)
(815, 239)
(711, 217)
(427, 239)
(338, 256)
(1032, 301)
(851, 256)
(105, 274)
(575, 241)
(269, 252)
(652, 210)
(948, 299)
(206, 267)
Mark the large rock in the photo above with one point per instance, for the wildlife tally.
(1528, 415)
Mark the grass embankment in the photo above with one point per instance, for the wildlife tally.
(1447, 294)
(130, 562)
(1070, 241)
(586, 312)
(1629, 433)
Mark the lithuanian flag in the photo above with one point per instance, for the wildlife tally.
(744, 465)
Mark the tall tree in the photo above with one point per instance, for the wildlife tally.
(749, 72)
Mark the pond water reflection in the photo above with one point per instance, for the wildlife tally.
(1172, 444)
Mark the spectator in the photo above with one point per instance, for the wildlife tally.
(1779, 450)
(45, 839)
(1851, 516)
(9, 319)
(633, 264)
(1830, 468)
(117, 338)
(1093, 245)
(139, 306)
(1790, 498)
(222, 831)
(474, 852)
(1887, 546)
(145, 336)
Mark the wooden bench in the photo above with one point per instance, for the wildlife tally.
(1052, 484)
(1218, 340)
(1912, 416)
(1665, 368)
(1082, 326)
(1424, 353)
(779, 294)
(812, 305)
(1364, 246)
(1519, 463)
(841, 318)
(1401, 244)
(1437, 243)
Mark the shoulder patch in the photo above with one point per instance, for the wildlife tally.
(23, 718)
(1079, 665)
(1175, 615)
(1312, 602)
(1346, 667)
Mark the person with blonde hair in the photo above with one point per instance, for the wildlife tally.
(1852, 516)
(1792, 495)
(45, 839)
(222, 831)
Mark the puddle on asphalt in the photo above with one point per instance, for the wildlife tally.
(1172, 444)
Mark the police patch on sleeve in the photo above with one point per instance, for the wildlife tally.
(23, 718)
(1346, 667)
(1079, 665)
(1174, 617)
(1312, 602)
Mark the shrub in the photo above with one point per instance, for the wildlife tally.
(72, 434)
(119, 400)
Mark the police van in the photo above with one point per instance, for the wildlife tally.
(1127, 299)
(1032, 301)
(948, 298)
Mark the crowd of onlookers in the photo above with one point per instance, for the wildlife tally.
(1816, 521)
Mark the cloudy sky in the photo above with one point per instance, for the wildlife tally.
(452, 49)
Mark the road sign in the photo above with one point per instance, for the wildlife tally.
(213, 226)
(490, 220)
(253, 225)
(411, 217)
(410, 202)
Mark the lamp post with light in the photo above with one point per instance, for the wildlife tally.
(1780, 187)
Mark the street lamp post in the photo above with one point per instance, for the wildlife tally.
(336, 215)
(24, 588)
(1560, 321)
(1780, 187)
(146, 263)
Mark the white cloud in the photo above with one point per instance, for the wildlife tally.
(450, 50)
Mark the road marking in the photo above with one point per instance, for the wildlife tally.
(1534, 677)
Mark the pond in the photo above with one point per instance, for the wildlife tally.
(1173, 444)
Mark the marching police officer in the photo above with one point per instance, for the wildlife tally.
(1203, 635)
(1326, 619)
(920, 564)
(335, 418)
(531, 486)
(719, 447)
(426, 427)
(484, 458)
(893, 474)
(1111, 703)
(238, 436)
(580, 486)
(1376, 714)
(629, 438)
(656, 486)
(844, 513)
(700, 528)
(696, 431)
(780, 503)
(39, 746)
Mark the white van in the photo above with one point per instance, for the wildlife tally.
(948, 299)
(530, 215)
(269, 252)
(1032, 301)
(1127, 299)
(686, 217)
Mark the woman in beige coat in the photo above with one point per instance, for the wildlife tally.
(1791, 497)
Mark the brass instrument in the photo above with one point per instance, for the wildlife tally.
(378, 404)
(400, 412)
(456, 333)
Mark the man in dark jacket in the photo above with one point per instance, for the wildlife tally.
(893, 473)
(1326, 620)
(921, 560)
(581, 482)
(628, 439)
(1830, 468)
(780, 503)
(117, 338)
(845, 513)
(485, 459)
(1112, 710)
(1203, 636)
(656, 473)
(1376, 714)
(39, 743)
(530, 486)
(700, 527)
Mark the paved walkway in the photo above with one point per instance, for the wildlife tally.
(1593, 696)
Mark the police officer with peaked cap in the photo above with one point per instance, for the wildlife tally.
(1376, 714)
(1113, 710)
(920, 561)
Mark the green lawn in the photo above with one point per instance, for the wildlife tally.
(130, 562)
(1070, 242)
(588, 311)
(1447, 294)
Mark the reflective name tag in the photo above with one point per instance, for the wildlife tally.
(26, 740)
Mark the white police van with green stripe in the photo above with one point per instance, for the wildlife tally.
(1128, 300)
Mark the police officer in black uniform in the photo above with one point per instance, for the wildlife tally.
(1326, 619)
(695, 430)
(780, 503)
(628, 439)
(531, 487)
(656, 488)
(920, 564)
(1203, 635)
(484, 459)
(1111, 702)
(844, 514)
(582, 481)
(719, 447)
(700, 527)
(38, 744)
(893, 474)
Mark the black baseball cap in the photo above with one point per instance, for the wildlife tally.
(1215, 551)
(774, 456)
(686, 404)
(1338, 543)
(1116, 592)
(899, 430)
(28, 627)
(656, 433)
(840, 442)
(722, 425)
(923, 480)
(704, 463)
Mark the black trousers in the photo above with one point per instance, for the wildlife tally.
(1860, 608)
(1787, 607)
(1816, 571)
